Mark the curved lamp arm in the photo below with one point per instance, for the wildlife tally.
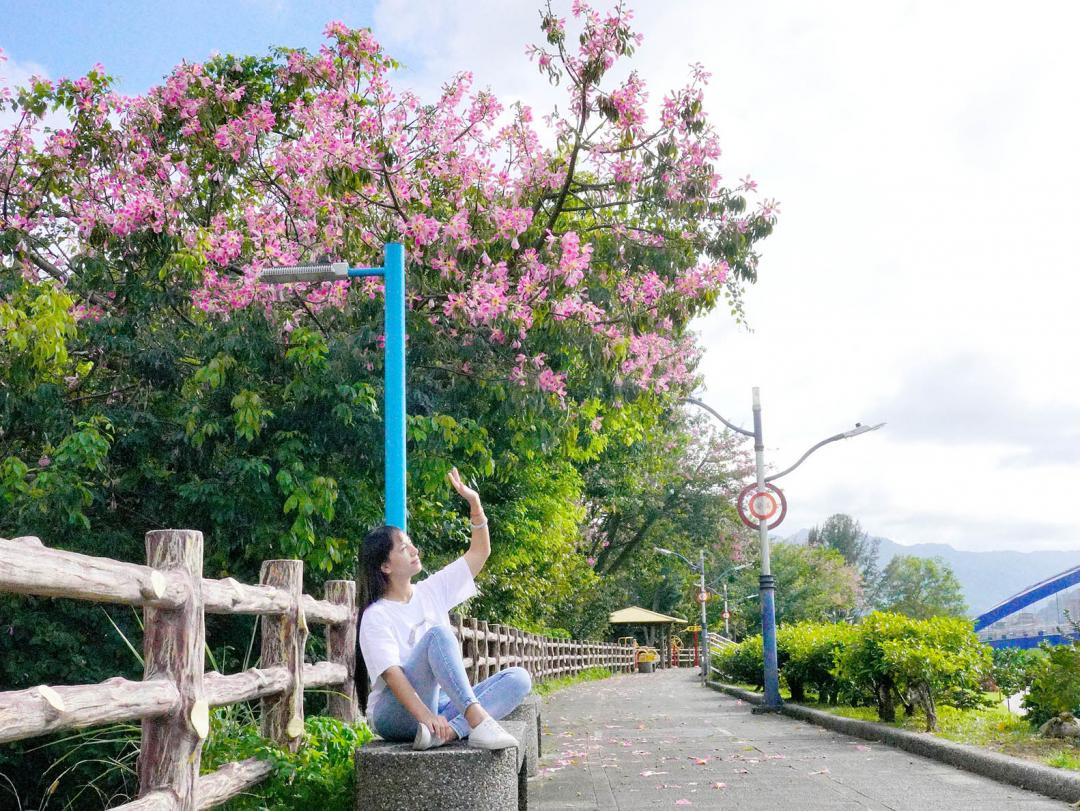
(731, 571)
(730, 425)
(686, 560)
(858, 429)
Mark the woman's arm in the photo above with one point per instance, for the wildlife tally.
(398, 683)
(480, 548)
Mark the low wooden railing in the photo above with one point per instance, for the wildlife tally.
(489, 648)
(174, 697)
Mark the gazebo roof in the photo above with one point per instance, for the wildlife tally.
(641, 616)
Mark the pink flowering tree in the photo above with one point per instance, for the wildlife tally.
(553, 268)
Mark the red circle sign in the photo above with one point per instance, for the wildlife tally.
(702, 596)
(761, 504)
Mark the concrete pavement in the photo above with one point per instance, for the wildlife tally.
(664, 741)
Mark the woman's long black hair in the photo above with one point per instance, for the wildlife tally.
(371, 584)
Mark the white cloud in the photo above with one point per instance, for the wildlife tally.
(14, 74)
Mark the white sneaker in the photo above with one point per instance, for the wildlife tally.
(425, 740)
(489, 735)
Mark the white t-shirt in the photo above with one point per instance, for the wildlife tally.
(389, 630)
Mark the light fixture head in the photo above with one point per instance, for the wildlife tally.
(861, 429)
(305, 273)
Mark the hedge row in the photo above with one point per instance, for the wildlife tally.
(885, 660)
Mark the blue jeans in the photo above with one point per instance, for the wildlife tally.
(436, 663)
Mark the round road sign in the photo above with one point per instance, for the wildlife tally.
(702, 596)
(761, 504)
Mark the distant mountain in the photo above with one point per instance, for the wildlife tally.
(987, 578)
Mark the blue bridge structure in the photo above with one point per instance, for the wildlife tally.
(1040, 613)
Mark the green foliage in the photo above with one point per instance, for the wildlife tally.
(844, 534)
(1012, 668)
(320, 775)
(36, 323)
(814, 584)
(809, 652)
(920, 588)
(743, 663)
(1055, 684)
(921, 662)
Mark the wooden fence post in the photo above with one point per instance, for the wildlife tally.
(341, 648)
(283, 639)
(527, 640)
(485, 650)
(474, 627)
(173, 645)
(455, 623)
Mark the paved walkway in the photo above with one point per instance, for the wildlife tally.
(664, 741)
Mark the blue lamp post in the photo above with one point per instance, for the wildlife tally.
(766, 581)
(393, 273)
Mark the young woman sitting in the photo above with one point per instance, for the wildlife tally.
(418, 687)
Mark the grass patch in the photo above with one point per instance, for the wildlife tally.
(1065, 760)
(993, 728)
(590, 674)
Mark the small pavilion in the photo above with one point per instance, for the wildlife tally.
(653, 625)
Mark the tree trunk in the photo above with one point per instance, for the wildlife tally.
(926, 699)
(886, 701)
(910, 699)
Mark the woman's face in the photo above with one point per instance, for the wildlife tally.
(404, 559)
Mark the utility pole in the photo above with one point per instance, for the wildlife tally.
(703, 596)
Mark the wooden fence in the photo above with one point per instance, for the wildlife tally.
(174, 698)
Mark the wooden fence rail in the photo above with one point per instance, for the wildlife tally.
(174, 698)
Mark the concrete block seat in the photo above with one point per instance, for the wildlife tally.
(393, 777)
(528, 712)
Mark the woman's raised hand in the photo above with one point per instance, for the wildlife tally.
(463, 489)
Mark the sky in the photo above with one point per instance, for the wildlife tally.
(922, 272)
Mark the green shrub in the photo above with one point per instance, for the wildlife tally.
(319, 776)
(1055, 684)
(809, 661)
(742, 663)
(1013, 669)
(918, 662)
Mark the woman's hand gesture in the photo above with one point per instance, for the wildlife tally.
(463, 489)
(438, 726)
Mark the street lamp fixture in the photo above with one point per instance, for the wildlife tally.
(685, 559)
(393, 275)
(767, 583)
